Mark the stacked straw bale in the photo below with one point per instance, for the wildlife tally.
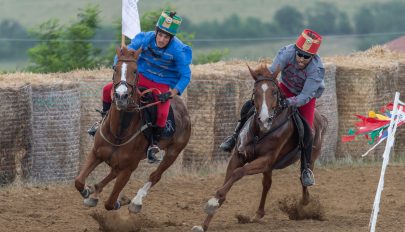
(327, 106)
(399, 147)
(56, 117)
(213, 98)
(91, 83)
(15, 125)
(365, 81)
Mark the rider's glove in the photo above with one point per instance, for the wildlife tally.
(164, 96)
(284, 103)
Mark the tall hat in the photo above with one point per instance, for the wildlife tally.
(169, 22)
(309, 41)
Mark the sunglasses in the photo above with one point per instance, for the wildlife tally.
(299, 54)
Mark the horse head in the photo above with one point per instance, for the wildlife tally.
(266, 95)
(125, 79)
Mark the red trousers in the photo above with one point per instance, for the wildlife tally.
(162, 108)
(307, 111)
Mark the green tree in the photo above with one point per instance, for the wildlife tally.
(343, 24)
(64, 48)
(289, 20)
(10, 30)
(364, 21)
(323, 17)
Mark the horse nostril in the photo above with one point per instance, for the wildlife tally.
(125, 96)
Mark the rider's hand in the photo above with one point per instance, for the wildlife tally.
(164, 96)
(284, 103)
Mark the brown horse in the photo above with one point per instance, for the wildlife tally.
(269, 140)
(120, 142)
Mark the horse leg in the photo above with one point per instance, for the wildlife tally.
(136, 203)
(91, 163)
(266, 183)
(98, 188)
(122, 179)
(234, 163)
(259, 165)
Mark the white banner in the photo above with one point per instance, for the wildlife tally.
(130, 18)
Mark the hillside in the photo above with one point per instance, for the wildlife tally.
(31, 13)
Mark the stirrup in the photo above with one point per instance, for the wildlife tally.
(151, 154)
(228, 144)
(307, 177)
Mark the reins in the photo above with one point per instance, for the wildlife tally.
(133, 105)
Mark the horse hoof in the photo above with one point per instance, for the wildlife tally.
(197, 229)
(90, 202)
(211, 206)
(134, 208)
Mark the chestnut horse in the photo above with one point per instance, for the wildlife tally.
(269, 140)
(120, 143)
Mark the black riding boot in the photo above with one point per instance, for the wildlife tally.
(106, 106)
(307, 176)
(230, 141)
(246, 111)
(153, 148)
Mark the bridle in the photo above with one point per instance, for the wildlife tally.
(280, 96)
(257, 139)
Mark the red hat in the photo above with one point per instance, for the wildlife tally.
(309, 41)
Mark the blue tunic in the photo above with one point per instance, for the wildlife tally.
(169, 65)
(306, 83)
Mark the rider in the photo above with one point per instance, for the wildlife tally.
(302, 81)
(163, 64)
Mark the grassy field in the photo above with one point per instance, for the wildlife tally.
(31, 13)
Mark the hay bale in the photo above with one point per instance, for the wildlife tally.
(364, 81)
(15, 121)
(399, 146)
(212, 100)
(327, 106)
(91, 83)
(54, 154)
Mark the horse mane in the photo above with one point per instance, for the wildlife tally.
(262, 71)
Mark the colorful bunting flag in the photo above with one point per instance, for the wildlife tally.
(374, 126)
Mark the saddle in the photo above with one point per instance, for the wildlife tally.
(304, 147)
(149, 116)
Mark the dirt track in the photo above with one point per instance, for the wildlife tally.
(176, 204)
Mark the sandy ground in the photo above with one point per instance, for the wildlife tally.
(342, 201)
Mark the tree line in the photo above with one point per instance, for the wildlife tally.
(66, 47)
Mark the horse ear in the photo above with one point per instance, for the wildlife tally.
(275, 74)
(137, 53)
(252, 73)
(118, 51)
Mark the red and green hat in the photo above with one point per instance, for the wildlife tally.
(169, 22)
(309, 41)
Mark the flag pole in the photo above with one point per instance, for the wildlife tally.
(122, 40)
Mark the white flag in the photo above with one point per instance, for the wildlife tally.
(130, 18)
